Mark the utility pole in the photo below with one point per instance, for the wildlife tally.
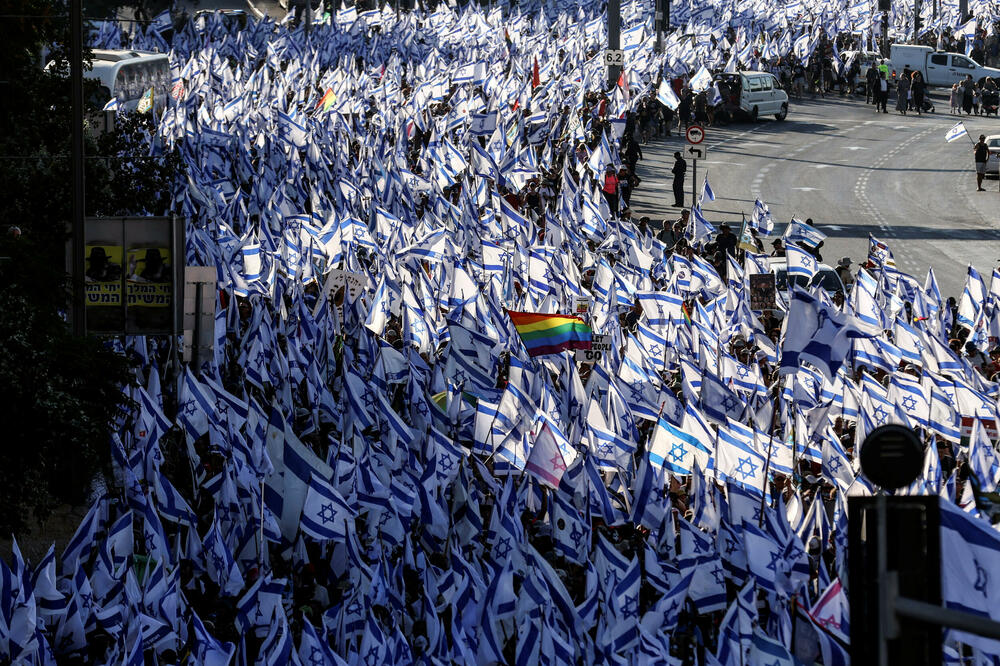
(614, 40)
(917, 23)
(963, 10)
(76, 165)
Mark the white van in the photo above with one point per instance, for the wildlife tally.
(937, 67)
(759, 94)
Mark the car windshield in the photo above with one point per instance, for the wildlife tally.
(826, 278)
(993, 143)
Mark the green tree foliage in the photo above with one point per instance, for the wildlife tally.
(59, 395)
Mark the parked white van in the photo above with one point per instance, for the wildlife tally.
(757, 94)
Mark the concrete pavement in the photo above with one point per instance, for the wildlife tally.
(854, 172)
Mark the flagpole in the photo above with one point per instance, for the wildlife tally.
(767, 463)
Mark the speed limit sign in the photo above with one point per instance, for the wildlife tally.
(695, 134)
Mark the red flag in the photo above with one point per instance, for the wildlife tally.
(536, 79)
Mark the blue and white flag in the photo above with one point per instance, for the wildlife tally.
(970, 570)
(956, 132)
(325, 514)
(820, 335)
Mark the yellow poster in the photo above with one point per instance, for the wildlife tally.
(104, 275)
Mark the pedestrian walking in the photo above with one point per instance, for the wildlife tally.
(902, 94)
(982, 153)
(881, 93)
(679, 169)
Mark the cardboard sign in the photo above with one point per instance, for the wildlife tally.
(966, 428)
(581, 306)
(599, 346)
(356, 282)
(762, 291)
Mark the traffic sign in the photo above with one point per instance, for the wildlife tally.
(614, 57)
(695, 134)
(697, 152)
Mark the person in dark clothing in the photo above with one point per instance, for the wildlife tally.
(982, 154)
(679, 169)
(726, 240)
(871, 85)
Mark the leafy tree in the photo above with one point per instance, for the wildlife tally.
(59, 395)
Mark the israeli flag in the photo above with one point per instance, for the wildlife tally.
(803, 234)
(666, 96)
(701, 80)
(956, 132)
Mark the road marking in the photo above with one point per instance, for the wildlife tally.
(807, 189)
(822, 166)
(834, 227)
(854, 148)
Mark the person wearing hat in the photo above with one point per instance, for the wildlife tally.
(982, 153)
(844, 272)
(679, 169)
(779, 249)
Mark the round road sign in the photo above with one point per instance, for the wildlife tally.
(695, 134)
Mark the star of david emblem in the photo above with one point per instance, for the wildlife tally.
(150, 538)
(316, 656)
(218, 562)
(677, 452)
(951, 395)
(355, 607)
(637, 392)
(221, 407)
(909, 403)
(259, 358)
(86, 600)
(671, 608)
(773, 564)
(258, 617)
(190, 408)
(729, 403)
(383, 519)
(558, 463)
(730, 546)
(421, 409)
(446, 463)
(610, 578)
(503, 547)
(631, 606)
(919, 345)
(606, 450)
(372, 657)
(385, 307)
(982, 578)
(756, 514)
(829, 622)
(742, 371)
(880, 415)
(746, 462)
(576, 535)
(368, 399)
(327, 514)
(834, 464)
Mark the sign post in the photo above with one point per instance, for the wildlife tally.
(614, 43)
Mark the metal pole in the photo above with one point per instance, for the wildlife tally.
(916, 20)
(885, 34)
(881, 560)
(939, 615)
(659, 26)
(614, 39)
(694, 181)
(309, 16)
(76, 165)
(963, 9)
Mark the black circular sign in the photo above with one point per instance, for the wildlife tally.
(892, 456)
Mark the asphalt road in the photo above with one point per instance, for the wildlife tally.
(855, 173)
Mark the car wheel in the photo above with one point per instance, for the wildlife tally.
(781, 115)
(753, 115)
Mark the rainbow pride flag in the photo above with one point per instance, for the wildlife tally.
(550, 334)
